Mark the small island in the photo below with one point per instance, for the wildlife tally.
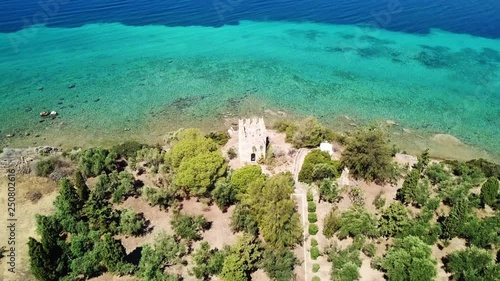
(294, 201)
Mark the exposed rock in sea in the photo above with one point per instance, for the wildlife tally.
(390, 122)
(53, 113)
(72, 86)
(9, 135)
(44, 113)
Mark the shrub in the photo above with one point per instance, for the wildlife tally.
(279, 263)
(315, 253)
(315, 278)
(318, 165)
(315, 267)
(331, 223)
(95, 161)
(329, 191)
(345, 263)
(472, 264)
(410, 259)
(231, 153)
(437, 174)
(357, 221)
(312, 217)
(127, 149)
(224, 195)
(313, 229)
(131, 222)
(379, 202)
(220, 138)
(307, 133)
(357, 196)
(368, 156)
(489, 192)
(311, 207)
(189, 227)
(394, 219)
(309, 196)
(163, 197)
(44, 167)
(314, 242)
(369, 249)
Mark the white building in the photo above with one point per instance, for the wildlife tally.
(327, 147)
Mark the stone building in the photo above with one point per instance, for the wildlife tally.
(252, 139)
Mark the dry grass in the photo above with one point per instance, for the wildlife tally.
(26, 187)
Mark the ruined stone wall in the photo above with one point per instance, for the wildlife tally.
(252, 138)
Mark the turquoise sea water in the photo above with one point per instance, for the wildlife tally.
(131, 80)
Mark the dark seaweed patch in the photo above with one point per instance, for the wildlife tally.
(186, 102)
(432, 59)
(375, 40)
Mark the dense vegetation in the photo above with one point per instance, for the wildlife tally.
(79, 240)
(437, 202)
(368, 156)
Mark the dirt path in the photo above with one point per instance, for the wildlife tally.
(300, 193)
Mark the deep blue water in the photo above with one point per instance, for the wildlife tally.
(475, 17)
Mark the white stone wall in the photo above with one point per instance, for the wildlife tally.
(252, 139)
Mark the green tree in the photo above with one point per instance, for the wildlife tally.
(482, 232)
(275, 211)
(243, 219)
(280, 225)
(394, 220)
(94, 161)
(345, 263)
(357, 221)
(318, 165)
(473, 265)
(191, 143)
(131, 223)
(242, 259)
(453, 224)
(368, 156)
(111, 253)
(82, 189)
(207, 262)
(489, 192)
(100, 213)
(329, 191)
(166, 252)
(409, 259)
(164, 197)
(437, 173)
(48, 258)
(279, 263)
(224, 194)
(307, 133)
(68, 206)
(197, 175)
(189, 227)
(423, 161)
(241, 178)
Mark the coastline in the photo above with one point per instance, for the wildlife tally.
(408, 140)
